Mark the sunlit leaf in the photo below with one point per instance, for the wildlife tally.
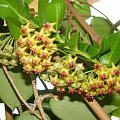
(19, 6)
(51, 11)
(113, 55)
(116, 112)
(6, 10)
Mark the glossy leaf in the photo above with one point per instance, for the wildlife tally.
(23, 83)
(42, 5)
(66, 109)
(116, 112)
(82, 8)
(91, 50)
(115, 99)
(73, 42)
(27, 116)
(28, 1)
(51, 11)
(6, 10)
(101, 26)
(19, 6)
(109, 108)
(113, 55)
(14, 27)
(105, 45)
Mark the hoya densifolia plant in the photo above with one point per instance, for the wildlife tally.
(57, 45)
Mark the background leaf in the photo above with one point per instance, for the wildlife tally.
(66, 109)
(23, 83)
(73, 42)
(28, 1)
(19, 6)
(109, 108)
(101, 26)
(42, 4)
(105, 45)
(14, 27)
(51, 11)
(116, 112)
(113, 55)
(90, 49)
(83, 9)
(27, 116)
(6, 10)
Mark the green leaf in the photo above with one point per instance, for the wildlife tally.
(19, 6)
(91, 50)
(83, 9)
(116, 112)
(42, 5)
(14, 27)
(27, 116)
(23, 83)
(73, 42)
(101, 26)
(28, 1)
(66, 109)
(109, 108)
(113, 55)
(51, 11)
(105, 45)
(6, 10)
(115, 99)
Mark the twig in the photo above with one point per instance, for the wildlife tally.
(96, 10)
(98, 110)
(39, 103)
(84, 24)
(38, 100)
(18, 93)
(34, 86)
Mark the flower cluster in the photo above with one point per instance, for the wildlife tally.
(103, 81)
(70, 75)
(66, 74)
(35, 49)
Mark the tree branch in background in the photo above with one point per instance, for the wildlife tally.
(84, 24)
(32, 111)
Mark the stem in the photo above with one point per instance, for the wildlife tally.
(38, 101)
(98, 110)
(84, 24)
(18, 93)
(39, 104)
(34, 86)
